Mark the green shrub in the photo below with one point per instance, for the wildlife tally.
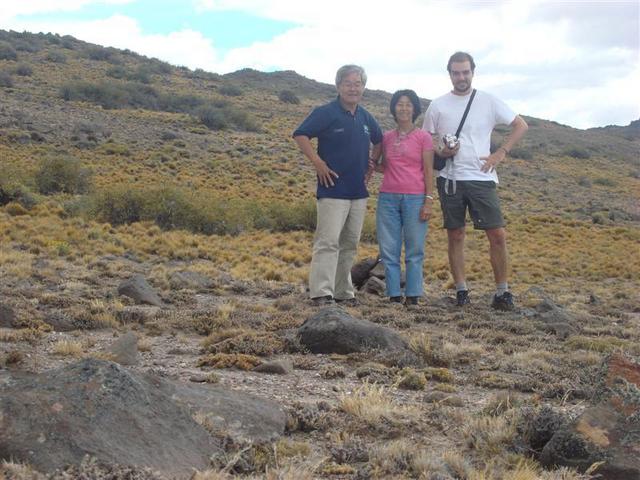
(62, 174)
(6, 80)
(118, 206)
(221, 118)
(99, 53)
(521, 153)
(158, 66)
(577, 152)
(230, 90)
(179, 103)
(116, 71)
(287, 96)
(7, 52)
(605, 182)
(12, 190)
(27, 44)
(23, 70)
(213, 118)
(112, 95)
(173, 208)
(56, 57)
(242, 120)
(142, 75)
(584, 182)
(68, 42)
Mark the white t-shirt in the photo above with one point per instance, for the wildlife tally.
(443, 116)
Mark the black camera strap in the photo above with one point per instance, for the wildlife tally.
(466, 111)
(450, 160)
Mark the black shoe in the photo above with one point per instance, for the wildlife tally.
(326, 300)
(395, 299)
(462, 298)
(503, 302)
(349, 302)
(411, 302)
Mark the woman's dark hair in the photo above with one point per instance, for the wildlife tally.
(411, 95)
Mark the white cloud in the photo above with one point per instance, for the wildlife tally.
(185, 47)
(531, 53)
(9, 9)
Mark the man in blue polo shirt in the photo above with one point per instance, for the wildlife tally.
(345, 132)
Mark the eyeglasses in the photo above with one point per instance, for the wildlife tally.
(357, 85)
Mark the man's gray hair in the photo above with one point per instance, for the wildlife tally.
(347, 70)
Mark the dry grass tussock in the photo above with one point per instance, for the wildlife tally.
(68, 348)
(371, 403)
(405, 457)
(489, 436)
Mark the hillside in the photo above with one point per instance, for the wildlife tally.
(114, 164)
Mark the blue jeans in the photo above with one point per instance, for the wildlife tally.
(398, 218)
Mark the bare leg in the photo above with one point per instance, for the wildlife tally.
(456, 253)
(497, 253)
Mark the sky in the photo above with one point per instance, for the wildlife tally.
(574, 62)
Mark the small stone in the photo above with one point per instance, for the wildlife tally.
(277, 367)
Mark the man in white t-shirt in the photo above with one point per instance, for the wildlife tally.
(469, 179)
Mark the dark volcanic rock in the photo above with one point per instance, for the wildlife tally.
(608, 432)
(137, 288)
(99, 408)
(7, 316)
(60, 321)
(360, 271)
(241, 415)
(375, 286)
(332, 330)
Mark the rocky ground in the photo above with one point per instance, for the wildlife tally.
(284, 389)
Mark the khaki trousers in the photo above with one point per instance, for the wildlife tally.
(339, 224)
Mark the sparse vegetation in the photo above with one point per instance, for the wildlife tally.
(220, 222)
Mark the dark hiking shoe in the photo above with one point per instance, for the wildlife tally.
(462, 298)
(320, 301)
(348, 302)
(503, 302)
(395, 299)
(411, 303)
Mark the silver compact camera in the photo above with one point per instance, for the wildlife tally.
(450, 141)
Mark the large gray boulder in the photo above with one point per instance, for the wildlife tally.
(99, 408)
(332, 330)
(139, 289)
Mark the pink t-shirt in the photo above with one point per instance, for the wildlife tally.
(404, 167)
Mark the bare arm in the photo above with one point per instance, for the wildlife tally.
(325, 174)
(426, 210)
(518, 128)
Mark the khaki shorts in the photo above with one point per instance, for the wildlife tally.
(480, 197)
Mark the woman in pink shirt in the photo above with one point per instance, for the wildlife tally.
(405, 198)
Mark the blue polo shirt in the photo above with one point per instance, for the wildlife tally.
(343, 143)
